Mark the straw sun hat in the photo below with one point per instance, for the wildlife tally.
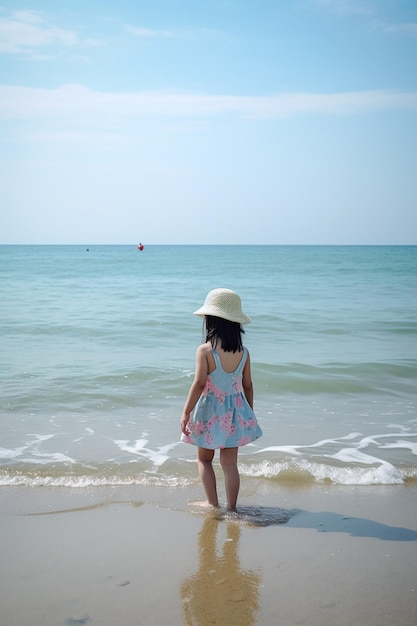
(223, 303)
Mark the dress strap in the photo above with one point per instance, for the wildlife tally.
(216, 357)
(243, 360)
(239, 368)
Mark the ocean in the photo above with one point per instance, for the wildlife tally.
(98, 349)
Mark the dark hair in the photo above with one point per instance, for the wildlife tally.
(229, 333)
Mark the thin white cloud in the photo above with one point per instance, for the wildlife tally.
(34, 17)
(409, 28)
(150, 33)
(76, 102)
(369, 10)
(175, 33)
(25, 31)
(344, 8)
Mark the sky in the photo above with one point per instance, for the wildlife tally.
(208, 122)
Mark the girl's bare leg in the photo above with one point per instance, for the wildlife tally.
(207, 475)
(228, 461)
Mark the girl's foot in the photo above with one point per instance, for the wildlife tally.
(205, 504)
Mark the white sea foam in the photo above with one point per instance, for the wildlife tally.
(31, 447)
(139, 448)
(294, 449)
(85, 481)
(298, 471)
(405, 445)
(374, 440)
(383, 474)
(41, 437)
(352, 455)
(294, 461)
(6, 453)
(287, 449)
(45, 458)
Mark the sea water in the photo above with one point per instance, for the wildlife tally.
(98, 350)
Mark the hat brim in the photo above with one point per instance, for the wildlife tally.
(203, 311)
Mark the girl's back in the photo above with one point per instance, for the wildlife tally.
(229, 360)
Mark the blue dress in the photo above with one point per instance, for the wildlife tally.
(222, 417)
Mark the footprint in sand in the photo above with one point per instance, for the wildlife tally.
(119, 582)
(77, 620)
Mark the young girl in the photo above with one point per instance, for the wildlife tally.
(218, 412)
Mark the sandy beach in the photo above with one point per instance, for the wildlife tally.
(326, 555)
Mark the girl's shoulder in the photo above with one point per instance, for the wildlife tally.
(204, 347)
(205, 355)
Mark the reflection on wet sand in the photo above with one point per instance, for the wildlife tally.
(220, 592)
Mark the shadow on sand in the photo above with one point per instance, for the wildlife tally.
(323, 521)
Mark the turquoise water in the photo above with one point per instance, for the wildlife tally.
(98, 345)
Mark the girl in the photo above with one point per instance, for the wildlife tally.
(221, 395)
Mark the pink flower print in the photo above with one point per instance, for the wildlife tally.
(238, 400)
(211, 388)
(243, 441)
(209, 439)
(206, 386)
(241, 421)
(211, 422)
(198, 428)
(237, 384)
(226, 422)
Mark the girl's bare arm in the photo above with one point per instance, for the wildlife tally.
(200, 377)
(247, 382)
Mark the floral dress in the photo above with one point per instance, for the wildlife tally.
(222, 417)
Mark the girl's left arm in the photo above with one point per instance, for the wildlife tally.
(247, 382)
(200, 377)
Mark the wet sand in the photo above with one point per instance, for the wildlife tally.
(127, 556)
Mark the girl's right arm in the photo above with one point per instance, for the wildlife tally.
(200, 377)
(247, 382)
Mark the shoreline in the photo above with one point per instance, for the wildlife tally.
(326, 555)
